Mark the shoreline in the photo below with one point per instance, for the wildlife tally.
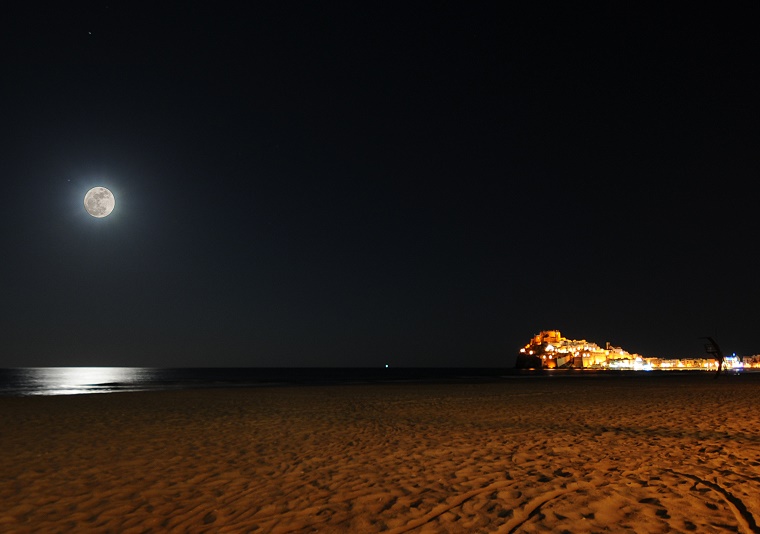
(31, 381)
(512, 456)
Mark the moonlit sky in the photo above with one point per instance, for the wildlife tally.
(353, 184)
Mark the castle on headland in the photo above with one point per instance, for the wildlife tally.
(550, 350)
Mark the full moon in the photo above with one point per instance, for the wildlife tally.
(99, 202)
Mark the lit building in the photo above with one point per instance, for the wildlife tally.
(550, 350)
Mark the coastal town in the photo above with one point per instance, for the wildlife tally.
(550, 350)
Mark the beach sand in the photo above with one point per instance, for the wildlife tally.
(651, 454)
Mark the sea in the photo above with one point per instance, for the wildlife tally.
(83, 380)
(27, 381)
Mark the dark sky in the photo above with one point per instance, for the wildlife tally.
(354, 184)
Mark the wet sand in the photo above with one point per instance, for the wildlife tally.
(649, 454)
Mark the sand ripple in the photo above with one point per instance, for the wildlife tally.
(626, 455)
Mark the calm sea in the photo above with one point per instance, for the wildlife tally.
(78, 380)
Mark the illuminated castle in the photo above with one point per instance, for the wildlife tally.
(549, 350)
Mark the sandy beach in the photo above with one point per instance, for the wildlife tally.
(650, 454)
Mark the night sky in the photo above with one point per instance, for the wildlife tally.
(355, 184)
